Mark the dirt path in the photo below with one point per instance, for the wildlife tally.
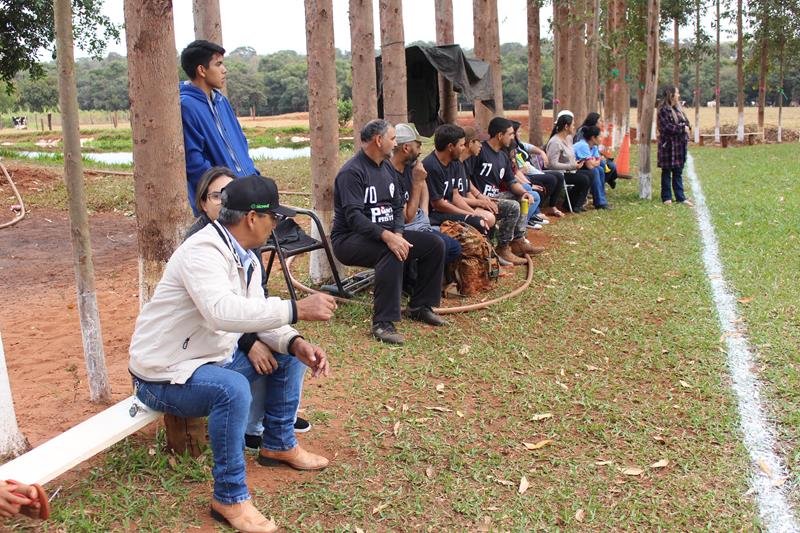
(39, 322)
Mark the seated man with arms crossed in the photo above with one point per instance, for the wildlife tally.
(184, 356)
(368, 231)
(443, 168)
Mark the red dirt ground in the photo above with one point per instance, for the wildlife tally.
(41, 333)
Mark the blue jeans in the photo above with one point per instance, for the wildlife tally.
(598, 186)
(533, 206)
(276, 398)
(675, 175)
(223, 394)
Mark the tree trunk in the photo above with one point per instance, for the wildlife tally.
(487, 48)
(393, 52)
(448, 101)
(641, 80)
(697, 75)
(717, 87)
(562, 59)
(12, 441)
(578, 48)
(739, 73)
(676, 65)
(556, 64)
(322, 117)
(763, 68)
(91, 332)
(534, 75)
(648, 105)
(207, 20)
(593, 52)
(159, 164)
(780, 93)
(159, 170)
(362, 39)
(609, 110)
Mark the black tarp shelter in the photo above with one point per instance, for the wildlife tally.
(470, 77)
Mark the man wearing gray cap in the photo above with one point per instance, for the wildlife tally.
(184, 356)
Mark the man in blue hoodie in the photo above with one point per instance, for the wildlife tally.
(212, 135)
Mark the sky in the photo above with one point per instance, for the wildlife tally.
(267, 29)
(256, 23)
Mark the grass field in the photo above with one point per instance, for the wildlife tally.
(610, 364)
(754, 197)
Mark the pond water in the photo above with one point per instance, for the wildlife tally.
(126, 158)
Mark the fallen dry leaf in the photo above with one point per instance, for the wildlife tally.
(685, 384)
(632, 471)
(764, 467)
(603, 463)
(440, 387)
(659, 438)
(429, 472)
(745, 300)
(592, 368)
(504, 482)
(523, 485)
(389, 408)
(459, 414)
(779, 482)
(439, 409)
(537, 445)
(421, 420)
(598, 332)
(660, 464)
(580, 514)
(381, 507)
(396, 429)
(541, 416)
(738, 223)
(404, 409)
(464, 349)
(359, 530)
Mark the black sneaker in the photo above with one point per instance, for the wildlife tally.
(386, 332)
(252, 442)
(604, 206)
(301, 425)
(426, 315)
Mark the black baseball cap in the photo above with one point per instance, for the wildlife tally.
(254, 193)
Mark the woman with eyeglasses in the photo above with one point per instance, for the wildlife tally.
(208, 197)
(208, 201)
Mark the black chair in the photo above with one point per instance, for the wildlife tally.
(288, 239)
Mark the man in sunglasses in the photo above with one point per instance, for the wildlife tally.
(185, 359)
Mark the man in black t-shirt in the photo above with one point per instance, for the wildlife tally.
(493, 175)
(368, 231)
(443, 167)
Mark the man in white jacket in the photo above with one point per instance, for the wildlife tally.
(184, 355)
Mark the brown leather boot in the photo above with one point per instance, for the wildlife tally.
(297, 458)
(242, 517)
(505, 252)
(520, 247)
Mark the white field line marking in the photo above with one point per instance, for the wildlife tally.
(759, 436)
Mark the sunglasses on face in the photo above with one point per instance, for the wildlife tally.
(215, 196)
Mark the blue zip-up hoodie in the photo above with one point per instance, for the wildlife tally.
(212, 137)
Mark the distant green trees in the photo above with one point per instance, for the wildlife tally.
(278, 83)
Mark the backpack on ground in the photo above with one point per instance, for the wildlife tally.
(478, 265)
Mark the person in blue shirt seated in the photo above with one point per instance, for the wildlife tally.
(212, 135)
(586, 150)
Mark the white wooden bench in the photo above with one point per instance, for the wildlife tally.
(54, 457)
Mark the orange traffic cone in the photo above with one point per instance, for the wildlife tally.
(623, 159)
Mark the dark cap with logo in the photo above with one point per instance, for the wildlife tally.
(254, 193)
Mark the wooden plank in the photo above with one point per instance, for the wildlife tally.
(60, 454)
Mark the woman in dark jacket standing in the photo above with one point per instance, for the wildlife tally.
(673, 141)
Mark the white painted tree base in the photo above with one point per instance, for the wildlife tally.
(12, 441)
(60, 454)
